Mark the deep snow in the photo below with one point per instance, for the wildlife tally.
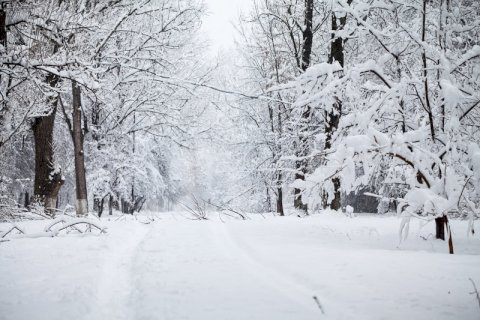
(263, 268)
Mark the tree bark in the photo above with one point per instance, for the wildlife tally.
(47, 180)
(440, 228)
(100, 208)
(110, 205)
(3, 29)
(425, 74)
(441, 223)
(4, 107)
(26, 201)
(80, 180)
(96, 110)
(275, 152)
(280, 202)
(303, 149)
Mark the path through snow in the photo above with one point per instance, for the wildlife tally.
(256, 269)
(115, 282)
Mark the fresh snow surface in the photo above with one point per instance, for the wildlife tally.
(262, 268)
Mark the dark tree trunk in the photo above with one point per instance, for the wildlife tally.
(80, 180)
(4, 103)
(440, 228)
(3, 28)
(280, 202)
(110, 205)
(441, 224)
(336, 203)
(96, 110)
(307, 35)
(279, 173)
(275, 153)
(47, 181)
(100, 207)
(137, 205)
(333, 116)
(26, 203)
(303, 148)
(96, 204)
(425, 74)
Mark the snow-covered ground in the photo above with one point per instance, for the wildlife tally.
(263, 268)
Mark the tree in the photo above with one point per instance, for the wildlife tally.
(279, 41)
(303, 148)
(334, 113)
(112, 61)
(48, 175)
(395, 110)
(78, 147)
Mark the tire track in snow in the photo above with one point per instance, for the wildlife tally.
(115, 283)
(279, 281)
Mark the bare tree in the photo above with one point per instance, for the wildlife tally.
(303, 148)
(333, 115)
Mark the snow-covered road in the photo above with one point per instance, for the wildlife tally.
(271, 268)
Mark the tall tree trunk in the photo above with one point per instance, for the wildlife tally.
(275, 154)
(439, 222)
(48, 179)
(26, 203)
(425, 74)
(4, 103)
(279, 205)
(3, 28)
(80, 180)
(133, 199)
(440, 228)
(96, 110)
(303, 149)
(3, 42)
(333, 116)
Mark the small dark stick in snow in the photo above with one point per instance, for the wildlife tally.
(318, 304)
(475, 292)
(13, 228)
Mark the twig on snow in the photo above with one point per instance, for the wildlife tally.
(87, 223)
(228, 208)
(198, 211)
(475, 292)
(319, 304)
(14, 227)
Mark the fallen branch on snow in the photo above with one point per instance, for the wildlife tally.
(226, 209)
(53, 229)
(198, 211)
(13, 228)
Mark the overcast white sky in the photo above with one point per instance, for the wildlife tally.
(218, 23)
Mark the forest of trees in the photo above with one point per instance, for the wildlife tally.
(92, 99)
(368, 100)
(324, 104)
